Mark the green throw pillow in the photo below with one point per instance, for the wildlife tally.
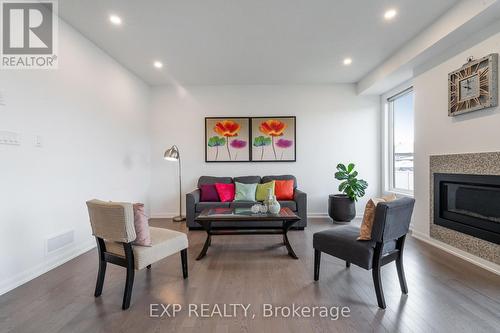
(244, 192)
(262, 190)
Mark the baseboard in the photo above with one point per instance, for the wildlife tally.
(489, 266)
(34, 272)
(163, 215)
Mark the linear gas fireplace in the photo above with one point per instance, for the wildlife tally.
(469, 204)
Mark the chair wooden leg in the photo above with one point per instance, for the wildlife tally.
(401, 275)
(129, 283)
(101, 249)
(378, 286)
(399, 266)
(317, 262)
(100, 278)
(184, 262)
(347, 264)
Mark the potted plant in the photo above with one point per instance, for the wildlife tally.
(341, 207)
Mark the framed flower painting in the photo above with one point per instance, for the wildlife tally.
(227, 139)
(273, 139)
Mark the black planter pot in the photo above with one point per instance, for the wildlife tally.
(341, 208)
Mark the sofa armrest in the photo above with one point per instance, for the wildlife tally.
(299, 195)
(192, 198)
(300, 199)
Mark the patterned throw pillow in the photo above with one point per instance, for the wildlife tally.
(365, 231)
(263, 190)
(244, 192)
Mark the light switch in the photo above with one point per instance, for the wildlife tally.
(38, 141)
(9, 138)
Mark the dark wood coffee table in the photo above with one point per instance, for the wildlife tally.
(213, 215)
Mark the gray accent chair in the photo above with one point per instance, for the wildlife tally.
(391, 224)
(194, 207)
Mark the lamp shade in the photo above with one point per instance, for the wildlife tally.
(172, 154)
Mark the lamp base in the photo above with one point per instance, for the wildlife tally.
(179, 218)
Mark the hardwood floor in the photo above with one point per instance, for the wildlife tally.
(446, 294)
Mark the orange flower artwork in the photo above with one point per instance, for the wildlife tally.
(272, 127)
(227, 128)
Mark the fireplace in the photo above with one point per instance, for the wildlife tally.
(469, 204)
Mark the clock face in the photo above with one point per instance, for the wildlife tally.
(469, 87)
(474, 86)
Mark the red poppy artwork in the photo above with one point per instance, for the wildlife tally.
(227, 139)
(273, 139)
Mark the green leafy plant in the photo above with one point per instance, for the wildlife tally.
(351, 186)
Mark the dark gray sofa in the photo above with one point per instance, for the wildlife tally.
(194, 207)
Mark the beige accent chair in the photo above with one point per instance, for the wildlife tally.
(113, 226)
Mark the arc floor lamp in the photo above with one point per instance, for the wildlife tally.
(172, 154)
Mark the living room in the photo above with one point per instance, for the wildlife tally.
(286, 156)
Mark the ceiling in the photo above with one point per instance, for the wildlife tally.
(251, 41)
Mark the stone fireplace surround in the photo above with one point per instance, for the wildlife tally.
(473, 163)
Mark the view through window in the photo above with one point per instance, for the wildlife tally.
(401, 115)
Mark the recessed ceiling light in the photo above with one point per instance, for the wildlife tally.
(347, 61)
(390, 14)
(158, 64)
(115, 19)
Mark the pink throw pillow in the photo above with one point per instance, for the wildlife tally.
(225, 191)
(141, 226)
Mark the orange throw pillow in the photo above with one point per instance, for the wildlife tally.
(283, 189)
(365, 231)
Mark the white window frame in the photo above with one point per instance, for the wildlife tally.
(388, 139)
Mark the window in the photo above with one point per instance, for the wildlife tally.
(400, 140)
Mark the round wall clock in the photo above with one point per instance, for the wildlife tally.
(474, 86)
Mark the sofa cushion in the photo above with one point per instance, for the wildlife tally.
(225, 191)
(263, 191)
(242, 204)
(244, 192)
(209, 193)
(247, 179)
(288, 203)
(283, 189)
(212, 180)
(266, 179)
(200, 206)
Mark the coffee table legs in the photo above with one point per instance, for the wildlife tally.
(208, 241)
(286, 242)
(286, 227)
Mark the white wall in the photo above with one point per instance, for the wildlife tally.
(333, 125)
(92, 116)
(436, 133)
